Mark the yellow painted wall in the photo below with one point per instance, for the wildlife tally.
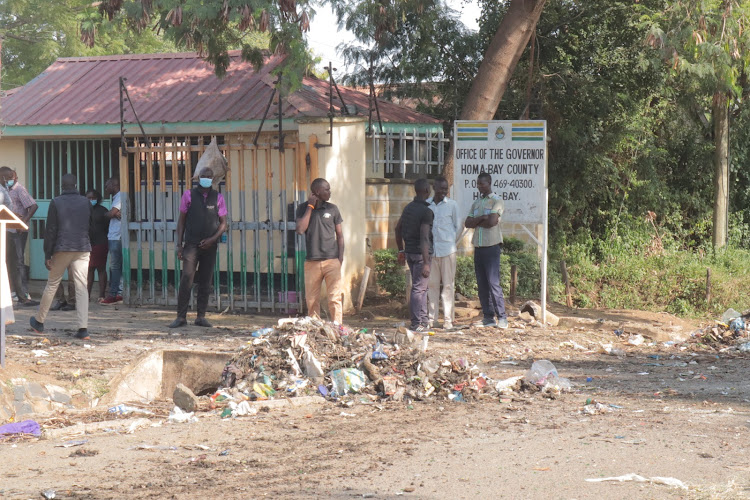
(343, 166)
(13, 155)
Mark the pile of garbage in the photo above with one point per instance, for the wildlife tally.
(730, 330)
(308, 356)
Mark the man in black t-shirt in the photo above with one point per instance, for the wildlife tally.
(320, 222)
(414, 241)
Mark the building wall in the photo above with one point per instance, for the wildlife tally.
(13, 155)
(343, 166)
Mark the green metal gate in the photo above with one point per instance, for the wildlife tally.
(92, 161)
(262, 190)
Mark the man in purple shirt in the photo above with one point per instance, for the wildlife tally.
(203, 218)
(24, 206)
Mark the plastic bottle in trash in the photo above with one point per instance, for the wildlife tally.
(262, 332)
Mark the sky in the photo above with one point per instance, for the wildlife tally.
(324, 37)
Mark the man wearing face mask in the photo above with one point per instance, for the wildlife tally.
(24, 206)
(203, 218)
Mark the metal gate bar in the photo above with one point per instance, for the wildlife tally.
(147, 210)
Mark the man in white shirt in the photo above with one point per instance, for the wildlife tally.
(443, 268)
(114, 241)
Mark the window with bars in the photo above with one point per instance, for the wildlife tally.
(92, 161)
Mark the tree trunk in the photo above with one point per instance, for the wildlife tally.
(721, 169)
(498, 65)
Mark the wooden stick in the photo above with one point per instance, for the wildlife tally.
(566, 280)
(363, 288)
(513, 283)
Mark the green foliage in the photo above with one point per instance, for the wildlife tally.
(389, 273)
(466, 280)
(642, 266)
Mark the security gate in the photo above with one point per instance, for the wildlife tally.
(260, 261)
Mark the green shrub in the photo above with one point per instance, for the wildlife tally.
(389, 273)
(466, 280)
(643, 266)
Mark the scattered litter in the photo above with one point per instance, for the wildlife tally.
(224, 453)
(153, 447)
(123, 409)
(49, 494)
(543, 375)
(70, 444)
(179, 416)
(39, 353)
(24, 427)
(668, 481)
(636, 339)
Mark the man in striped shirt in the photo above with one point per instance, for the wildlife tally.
(484, 217)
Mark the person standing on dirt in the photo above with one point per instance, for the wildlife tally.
(114, 242)
(67, 246)
(414, 242)
(320, 222)
(203, 219)
(443, 267)
(99, 244)
(484, 217)
(24, 206)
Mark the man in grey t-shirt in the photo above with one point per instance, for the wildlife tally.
(320, 222)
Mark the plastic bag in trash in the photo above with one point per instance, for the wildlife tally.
(729, 315)
(736, 325)
(544, 375)
(179, 416)
(347, 380)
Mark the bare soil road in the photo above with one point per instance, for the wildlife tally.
(670, 412)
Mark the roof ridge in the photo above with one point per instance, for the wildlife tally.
(135, 57)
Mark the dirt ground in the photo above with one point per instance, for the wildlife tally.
(676, 411)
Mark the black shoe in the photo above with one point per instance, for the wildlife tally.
(57, 305)
(82, 334)
(37, 326)
(178, 322)
(203, 322)
(68, 307)
(28, 303)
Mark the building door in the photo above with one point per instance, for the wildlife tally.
(93, 161)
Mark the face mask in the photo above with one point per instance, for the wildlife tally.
(205, 182)
(11, 182)
(93, 203)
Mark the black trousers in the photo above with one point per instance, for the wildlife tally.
(198, 264)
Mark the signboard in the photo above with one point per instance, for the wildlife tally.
(8, 220)
(514, 153)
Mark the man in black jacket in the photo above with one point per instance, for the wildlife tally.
(203, 218)
(67, 246)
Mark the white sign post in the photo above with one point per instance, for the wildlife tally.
(8, 220)
(514, 153)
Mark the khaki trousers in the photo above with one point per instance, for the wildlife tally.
(442, 269)
(78, 265)
(315, 272)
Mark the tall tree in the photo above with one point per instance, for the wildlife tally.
(36, 32)
(708, 42)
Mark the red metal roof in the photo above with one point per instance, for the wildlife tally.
(171, 88)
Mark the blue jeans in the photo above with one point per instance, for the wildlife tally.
(418, 297)
(115, 266)
(487, 270)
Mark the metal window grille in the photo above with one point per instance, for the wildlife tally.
(409, 155)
